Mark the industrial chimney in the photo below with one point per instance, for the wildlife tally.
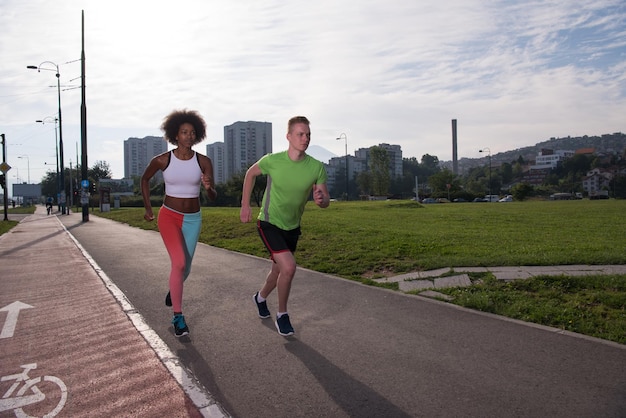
(455, 159)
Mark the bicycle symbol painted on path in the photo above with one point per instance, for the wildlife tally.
(30, 394)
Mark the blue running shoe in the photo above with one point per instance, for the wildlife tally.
(262, 307)
(283, 325)
(180, 327)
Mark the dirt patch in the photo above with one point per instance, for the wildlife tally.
(378, 273)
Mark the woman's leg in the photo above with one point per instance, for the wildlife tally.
(192, 224)
(170, 226)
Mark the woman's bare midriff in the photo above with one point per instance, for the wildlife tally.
(183, 204)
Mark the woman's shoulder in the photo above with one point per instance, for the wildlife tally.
(202, 157)
(162, 159)
(204, 162)
(163, 156)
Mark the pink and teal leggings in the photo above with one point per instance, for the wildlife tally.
(180, 233)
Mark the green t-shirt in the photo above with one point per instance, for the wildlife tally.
(289, 185)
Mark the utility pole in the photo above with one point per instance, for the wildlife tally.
(5, 168)
(83, 128)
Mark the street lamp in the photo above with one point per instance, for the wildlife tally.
(345, 137)
(56, 146)
(489, 154)
(27, 164)
(62, 180)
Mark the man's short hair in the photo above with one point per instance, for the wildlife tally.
(295, 120)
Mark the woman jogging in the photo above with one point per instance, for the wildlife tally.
(180, 219)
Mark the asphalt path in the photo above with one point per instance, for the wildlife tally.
(358, 351)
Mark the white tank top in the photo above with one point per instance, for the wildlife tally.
(182, 177)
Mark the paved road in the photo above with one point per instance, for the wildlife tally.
(358, 351)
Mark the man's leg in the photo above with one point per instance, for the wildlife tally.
(270, 282)
(284, 268)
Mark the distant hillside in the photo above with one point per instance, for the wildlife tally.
(607, 143)
(320, 153)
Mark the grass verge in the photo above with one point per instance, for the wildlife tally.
(590, 305)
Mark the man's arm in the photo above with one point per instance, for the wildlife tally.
(321, 197)
(248, 184)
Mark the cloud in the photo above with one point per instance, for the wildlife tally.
(511, 73)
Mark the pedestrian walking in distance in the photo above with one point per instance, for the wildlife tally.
(291, 177)
(179, 218)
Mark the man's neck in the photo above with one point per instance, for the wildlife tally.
(295, 155)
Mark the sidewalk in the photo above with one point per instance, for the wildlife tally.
(358, 351)
(425, 281)
(61, 322)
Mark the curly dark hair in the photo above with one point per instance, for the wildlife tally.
(171, 125)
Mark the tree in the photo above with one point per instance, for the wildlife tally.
(439, 182)
(379, 166)
(100, 170)
(578, 165)
(364, 181)
(507, 173)
(521, 191)
(430, 164)
(234, 187)
(477, 181)
(49, 186)
(618, 185)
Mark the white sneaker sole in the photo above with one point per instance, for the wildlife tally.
(278, 329)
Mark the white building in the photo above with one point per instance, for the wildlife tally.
(245, 143)
(215, 152)
(395, 159)
(359, 163)
(548, 158)
(596, 180)
(139, 151)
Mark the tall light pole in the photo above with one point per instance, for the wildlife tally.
(4, 168)
(27, 164)
(83, 123)
(56, 146)
(489, 153)
(39, 68)
(344, 136)
(71, 189)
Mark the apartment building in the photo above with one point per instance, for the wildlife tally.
(139, 151)
(244, 144)
(215, 152)
(549, 159)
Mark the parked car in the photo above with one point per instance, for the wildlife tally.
(459, 200)
(492, 198)
(507, 198)
(429, 200)
(479, 199)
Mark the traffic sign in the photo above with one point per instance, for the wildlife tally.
(84, 183)
(4, 167)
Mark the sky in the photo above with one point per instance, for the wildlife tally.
(512, 73)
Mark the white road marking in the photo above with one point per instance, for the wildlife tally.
(13, 311)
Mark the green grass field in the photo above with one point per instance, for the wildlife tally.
(365, 240)
(371, 239)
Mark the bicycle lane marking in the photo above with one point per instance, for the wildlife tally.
(200, 397)
(16, 403)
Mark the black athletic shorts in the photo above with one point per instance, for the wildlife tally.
(278, 240)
